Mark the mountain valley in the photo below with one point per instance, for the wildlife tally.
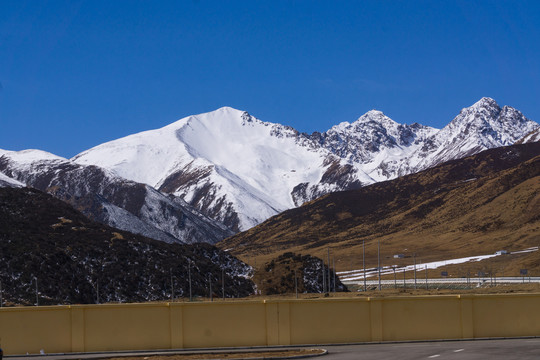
(472, 206)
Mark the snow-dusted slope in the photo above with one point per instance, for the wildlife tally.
(479, 127)
(239, 170)
(228, 164)
(110, 199)
(6, 181)
(532, 136)
(375, 141)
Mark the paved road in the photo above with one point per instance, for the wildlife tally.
(420, 281)
(508, 349)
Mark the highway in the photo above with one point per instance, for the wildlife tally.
(421, 282)
(508, 349)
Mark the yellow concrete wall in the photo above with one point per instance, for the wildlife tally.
(28, 329)
(84, 328)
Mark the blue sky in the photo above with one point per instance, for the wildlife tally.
(74, 74)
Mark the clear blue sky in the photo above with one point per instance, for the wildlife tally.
(74, 74)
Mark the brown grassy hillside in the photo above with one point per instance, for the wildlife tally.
(472, 206)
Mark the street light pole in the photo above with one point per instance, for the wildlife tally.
(172, 286)
(323, 284)
(364, 263)
(329, 282)
(379, 262)
(37, 296)
(415, 271)
(210, 281)
(404, 283)
(189, 278)
(426, 277)
(334, 267)
(295, 284)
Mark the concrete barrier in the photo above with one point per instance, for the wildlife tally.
(86, 328)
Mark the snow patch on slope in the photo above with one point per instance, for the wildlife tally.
(6, 181)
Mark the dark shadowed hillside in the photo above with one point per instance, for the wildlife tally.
(290, 272)
(76, 260)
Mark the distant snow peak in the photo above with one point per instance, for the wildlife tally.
(373, 114)
(485, 102)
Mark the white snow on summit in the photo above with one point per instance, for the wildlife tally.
(239, 170)
(251, 165)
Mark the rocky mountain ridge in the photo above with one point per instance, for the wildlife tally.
(103, 196)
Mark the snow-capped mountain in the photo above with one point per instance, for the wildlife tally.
(484, 125)
(229, 165)
(373, 141)
(104, 196)
(240, 170)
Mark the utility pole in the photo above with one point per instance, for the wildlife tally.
(364, 262)
(189, 278)
(395, 280)
(1, 299)
(379, 262)
(97, 291)
(404, 283)
(329, 282)
(323, 284)
(223, 283)
(210, 281)
(295, 284)
(37, 296)
(172, 286)
(334, 267)
(414, 271)
(426, 277)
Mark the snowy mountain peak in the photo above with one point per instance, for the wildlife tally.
(374, 116)
(31, 155)
(374, 113)
(485, 102)
(29, 159)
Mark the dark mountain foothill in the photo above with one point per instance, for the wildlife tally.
(77, 260)
(278, 276)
